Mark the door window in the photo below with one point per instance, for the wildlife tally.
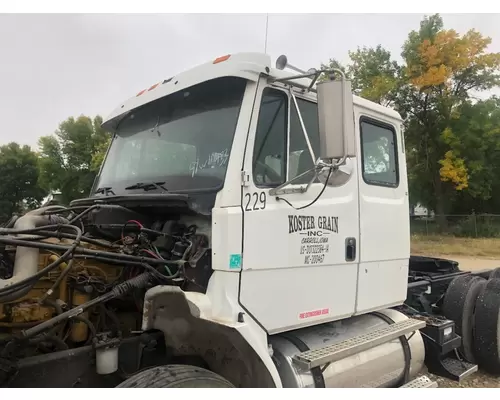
(379, 153)
(272, 164)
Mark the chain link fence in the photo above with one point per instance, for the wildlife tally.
(472, 225)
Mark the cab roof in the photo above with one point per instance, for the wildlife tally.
(248, 66)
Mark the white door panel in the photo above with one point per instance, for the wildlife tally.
(294, 270)
(285, 299)
(384, 214)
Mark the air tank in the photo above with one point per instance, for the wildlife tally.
(382, 366)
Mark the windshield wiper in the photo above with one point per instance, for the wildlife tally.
(147, 186)
(105, 190)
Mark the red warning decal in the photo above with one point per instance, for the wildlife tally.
(315, 313)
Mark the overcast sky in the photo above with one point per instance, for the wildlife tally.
(56, 66)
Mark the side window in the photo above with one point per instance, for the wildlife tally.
(379, 148)
(269, 154)
(300, 157)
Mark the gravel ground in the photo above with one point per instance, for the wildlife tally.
(477, 380)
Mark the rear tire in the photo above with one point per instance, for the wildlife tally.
(494, 274)
(175, 376)
(487, 327)
(459, 306)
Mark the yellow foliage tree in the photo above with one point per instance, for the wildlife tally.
(448, 59)
(453, 169)
(442, 67)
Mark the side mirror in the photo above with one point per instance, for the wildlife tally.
(336, 119)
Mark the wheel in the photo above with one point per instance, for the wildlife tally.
(494, 274)
(459, 305)
(175, 376)
(487, 327)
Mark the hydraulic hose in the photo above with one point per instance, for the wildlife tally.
(139, 281)
(26, 259)
(59, 235)
(88, 252)
(20, 287)
(58, 281)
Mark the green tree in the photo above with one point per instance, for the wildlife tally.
(478, 128)
(441, 70)
(448, 136)
(373, 74)
(70, 159)
(19, 175)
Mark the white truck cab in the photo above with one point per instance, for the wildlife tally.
(249, 227)
(297, 241)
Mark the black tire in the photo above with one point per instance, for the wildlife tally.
(495, 274)
(487, 327)
(459, 306)
(175, 376)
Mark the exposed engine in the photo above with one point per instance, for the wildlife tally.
(73, 277)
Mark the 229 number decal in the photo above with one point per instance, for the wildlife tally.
(255, 201)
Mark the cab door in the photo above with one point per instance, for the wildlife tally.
(384, 215)
(299, 250)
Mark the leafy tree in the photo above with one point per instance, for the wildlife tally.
(18, 180)
(478, 128)
(333, 63)
(70, 159)
(373, 74)
(448, 136)
(442, 69)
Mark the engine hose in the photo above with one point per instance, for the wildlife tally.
(5, 231)
(89, 252)
(64, 209)
(93, 331)
(58, 342)
(24, 285)
(11, 347)
(53, 304)
(19, 289)
(59, 235)
(84, 212)
(57, 329)
(10, 223)
(111, 316)
(95, 207)
(139, 281)
(58, 281)
(143, 264)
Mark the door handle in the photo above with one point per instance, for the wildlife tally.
(350, 249)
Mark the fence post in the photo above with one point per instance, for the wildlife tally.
(475, 222)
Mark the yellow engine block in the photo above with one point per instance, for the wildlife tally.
(27, 310)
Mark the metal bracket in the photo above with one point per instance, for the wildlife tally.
(245, 179)
(302, 189)
(337, 351)
(313, 74)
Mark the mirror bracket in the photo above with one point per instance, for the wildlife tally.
(318, 167)
(319, 164)
(314, 74)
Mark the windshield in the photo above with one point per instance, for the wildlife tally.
(183, 140)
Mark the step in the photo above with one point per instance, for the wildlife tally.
(337, 351)
(420, 382)
(458, 369)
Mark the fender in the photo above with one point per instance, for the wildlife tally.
(230, 348)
